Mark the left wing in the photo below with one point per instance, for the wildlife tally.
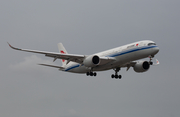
(68, 57)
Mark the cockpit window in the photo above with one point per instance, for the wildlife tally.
(151, 44)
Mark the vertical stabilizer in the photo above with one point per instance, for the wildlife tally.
(62, 50)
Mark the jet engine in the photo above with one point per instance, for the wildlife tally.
(141, 66)
(91, 61)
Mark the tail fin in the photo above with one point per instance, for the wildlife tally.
(62, 50)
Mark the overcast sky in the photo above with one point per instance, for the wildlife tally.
(87, 27)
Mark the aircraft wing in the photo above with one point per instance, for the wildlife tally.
(61, 68)
(132, 63)
(129, 64)
(68, 57)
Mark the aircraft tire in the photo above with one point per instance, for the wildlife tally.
(91, 74)
(87, 74)
(116, 76)
(112, 76)
(94, 73)
(151, 63)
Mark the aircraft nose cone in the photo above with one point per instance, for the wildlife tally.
(156, 50)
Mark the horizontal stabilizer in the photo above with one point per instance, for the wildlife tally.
(52, 66)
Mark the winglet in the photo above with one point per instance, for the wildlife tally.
(9, 45)
(13, 47)
(157, 62)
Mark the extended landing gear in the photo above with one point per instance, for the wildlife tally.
(116, 74)
(91, 73)
(150, 61)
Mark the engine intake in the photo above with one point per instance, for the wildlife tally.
(95, 60)
(91, 61)
(142, 66)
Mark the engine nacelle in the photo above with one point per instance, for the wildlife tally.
(91, 61)
(141, 66)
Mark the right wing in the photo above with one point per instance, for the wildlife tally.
(132, 63)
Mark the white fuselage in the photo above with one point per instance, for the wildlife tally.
(122, 55)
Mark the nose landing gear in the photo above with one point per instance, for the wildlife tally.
(150, 61)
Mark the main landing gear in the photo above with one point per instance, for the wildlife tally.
(91, 73)
(116, 73)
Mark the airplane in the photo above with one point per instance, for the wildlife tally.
(116, 58)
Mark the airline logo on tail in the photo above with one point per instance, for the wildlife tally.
(62, 52)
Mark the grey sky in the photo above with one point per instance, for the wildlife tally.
(87, 27)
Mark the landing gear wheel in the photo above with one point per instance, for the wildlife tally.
(94, 74)
(116, 73)
(151, 63)
(87, 74)
(91, 74)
